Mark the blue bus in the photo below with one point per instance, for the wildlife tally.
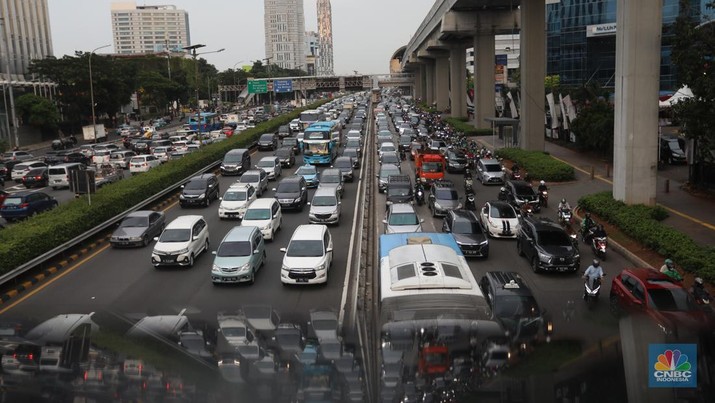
(209, 121)
(320, 143)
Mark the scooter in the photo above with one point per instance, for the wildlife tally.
(592, 291)
(599, 245)
(526, 210)
(544, 198)
(565, 216)
(470, 203)
(419, 194)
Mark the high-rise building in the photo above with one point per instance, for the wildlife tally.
(311, 51)
(25, 30)
(149, 29)
(284, 25)
(325, 39)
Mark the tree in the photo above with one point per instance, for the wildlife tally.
(693, 53)
(594, 127)
(38, 112)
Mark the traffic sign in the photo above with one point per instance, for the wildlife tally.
(257, 86)
(283, 85)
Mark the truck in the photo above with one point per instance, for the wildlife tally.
(430, 166)
(92, 133)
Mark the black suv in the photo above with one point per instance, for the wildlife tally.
(286, 155)
(443, 197)
(547, 246)
(513, 304)
(199, 191)
(268, 141)
(517, 193)
(466, 230)
(399, 189)
(292, 192)
(671, 150)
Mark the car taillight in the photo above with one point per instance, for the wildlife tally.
(30, 356)
(38, 177)
(25, 205)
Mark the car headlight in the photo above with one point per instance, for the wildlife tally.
(284, 267)
(135, 238)
(215, 269)
(484, 242)
(181, 196)
(244, 267)
(296, 200)
(182, 251)
(459, 206)
(320, 267)
(268, 226)
(437, 206)
(544, 257)
(202, 195)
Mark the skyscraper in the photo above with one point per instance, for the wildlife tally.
(284, 25)
(325, 39)
(25, 35)
(149, 29)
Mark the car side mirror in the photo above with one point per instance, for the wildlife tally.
(213, 252)
(255, 252)
(273, 189)
(182, 186)
(303, 188)
(283, 250)
(308, 203)
(156, 238)
(194, 237)
(384, 221)
(329, 250)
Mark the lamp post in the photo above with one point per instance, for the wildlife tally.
(91, 91)
(235, 83)
(192, 50)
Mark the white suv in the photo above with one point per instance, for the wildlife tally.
(308, 256)
(143, 163)
(181, 242)
(266, 215)
(236, 200)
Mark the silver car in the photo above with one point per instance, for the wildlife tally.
(332, 178)
(402, 218)
(257, 178)
(272, 166)
(490, 171)
(138, 228)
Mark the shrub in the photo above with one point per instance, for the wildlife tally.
(461, 125)
(50, 229)
(642, 223)
(539, 165)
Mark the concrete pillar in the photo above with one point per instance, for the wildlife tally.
(458, 81)
(429, 82)
(419, 81)
(533, 71)
(441, 91)
(484, 98)
(635, 145)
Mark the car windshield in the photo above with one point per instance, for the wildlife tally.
(390, 158)
(288, 187)
(36, 171)
(283, 153)
(306, 170)
(403, 219)
(502, 211)
(175, 235)
(257, 214)
(135, 222)
(467, 227)
(137, 160)
(524, 190)
(268, 137)
(305, 248)
(235, 196)
(325, 201)
(353, 143)
(432, 167)
(344, 164)
(673, 145)
(446, 194)
(234, 331)
(510, 306)
(196, 185)
(384, 173)
(669, 299)
(554, 238)
(229, 159)
(229, 249)
(253, 178)
(330, 178)
(266, 163)
(398, 190)
(492, 167)
(387, 148)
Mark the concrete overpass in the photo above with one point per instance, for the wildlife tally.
(436, 56)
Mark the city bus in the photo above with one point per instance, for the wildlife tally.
(208, 121)
(320, 146)
(309, 117)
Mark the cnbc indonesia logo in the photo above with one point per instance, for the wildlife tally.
(671, 365)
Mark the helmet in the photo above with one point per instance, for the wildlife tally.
(596, 262)
(563, 201)
(600, 227)
(669, 263)
(542, 183)
(588, 215)
(698, 281)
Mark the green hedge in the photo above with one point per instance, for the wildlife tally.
(461, 125)
(30, 238)
(642, 224)
(539, 165)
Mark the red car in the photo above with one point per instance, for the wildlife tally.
(433, 360)
(659, 297)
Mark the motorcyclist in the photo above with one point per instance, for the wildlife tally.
(698, 290)
(598, 232)
(543, 187)
(593, 272)
(564, 205)
(586, 224)
(669, 269)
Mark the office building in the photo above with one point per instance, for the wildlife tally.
(284, 27)
(311, 52)
(325, 39)
(149, 29)
(26, 36)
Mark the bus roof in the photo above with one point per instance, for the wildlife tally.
(391, 241)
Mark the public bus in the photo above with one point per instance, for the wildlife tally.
(309, 117)
(320, 144)
(208, 121)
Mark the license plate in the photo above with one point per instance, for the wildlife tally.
(301, 280)
(563, 268)
(470, 252)
(168, 260)
(58, 180)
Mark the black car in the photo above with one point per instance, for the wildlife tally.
(141, 146)
(353, 153)
(519, 192)
(286, 156)
(284, 131)
(77, 156)
(292, 192)
(138, 228)
(547, 246)
(513, 304)
(466, 230)
(345, 165)
(36, 177)
(199, 191)
(456, 161)
(405, 142)
(671, 150)
(399, 189)
(268, 141)
(293, 142)
(53, 157)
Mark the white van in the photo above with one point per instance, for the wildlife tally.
(59, 175)
(181, 242)
(265, 214)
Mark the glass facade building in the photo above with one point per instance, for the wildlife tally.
(581, 42)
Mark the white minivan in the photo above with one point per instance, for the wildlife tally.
(266, 215)
(59, 175)
(308, 256)
(181, 242)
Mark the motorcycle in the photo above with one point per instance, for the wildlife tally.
(702, 298)
(565, 216)
(419, 194)
(593, 290)
(470, 203)
(468, 182)
(544, 198)
(599, 245)
(516, 175)
(526, 210)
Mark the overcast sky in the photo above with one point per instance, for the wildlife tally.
(365, 32)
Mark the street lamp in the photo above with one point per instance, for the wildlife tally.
(235, 83)
(192, 50)
(91, 91)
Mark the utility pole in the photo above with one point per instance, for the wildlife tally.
(91, 92)
(192, 50)
(268, 70)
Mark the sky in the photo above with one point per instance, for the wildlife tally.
(365, 32)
